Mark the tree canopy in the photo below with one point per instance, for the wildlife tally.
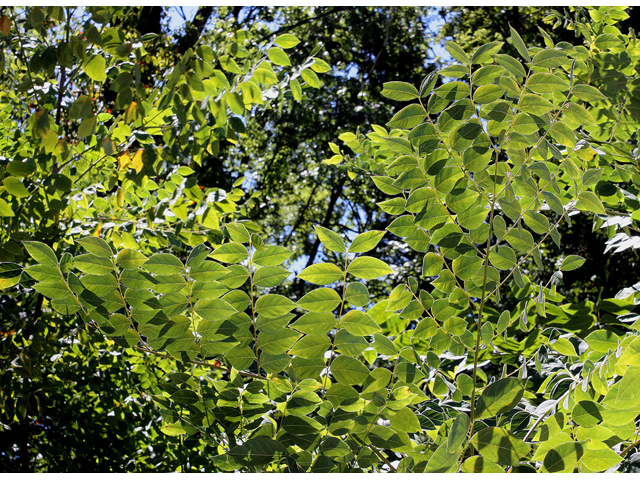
(291, 239)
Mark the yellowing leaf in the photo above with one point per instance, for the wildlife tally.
(136, 163)
(123, 161)
(130, 113)
(5, 24)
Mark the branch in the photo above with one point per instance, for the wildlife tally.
(204, 364)
(302, 214)
(286, 28)
(382, 457)
(384, 44)
(194, 29)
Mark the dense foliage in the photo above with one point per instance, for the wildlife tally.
(155, 304)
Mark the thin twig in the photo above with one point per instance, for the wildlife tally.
(382, 457)
(204, 364)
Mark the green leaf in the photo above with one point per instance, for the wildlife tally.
(587, 93)
(321, 300)
(457, 52)
(331, 240)
(627, 389)
(578, 115)
(315, 323)
(409, 117)
(563, 457)
(554, 202)
(101, 285)
(465, 135)
(357, 294)
(238, 232)
(271, 256)
(454, 71)
(503, 258)
(89, 263)
(477, 464)
(521, 240)
(231, 252)
(598, 457)
(473, 218)
(55, 290)
(536, 222)
(485, 53)
(81, 108)
(41, 253)
(452, 91)
(546, 83)
(87, 126)
(256, 451)
(321, 274)
(519, 44)
(10, 274)
(311, 78)
(589, 202)
(311, 347)
(499, 397)
(511, 64)
(602, 341)
(213, 310)
(96, 246)
(405, 163)
(368, 268)
(535, 104)
(348, 344)
(348, 370)
(185, 397)
(5, 209)
(487, 94)
(278, 343)
(400, 91)
(272, 305)
(270, 276)
(409, 180)
(164, 264)
(41, 128)
(586, 413)
(456, 113)
(279, 57)
(503, 321)
(499, 446)
(16, 188)
(416, 202)
(404, 420)
(562, 134)
(384, 184)
(320, 66)
(287, 41)
(525, 124)
(366, 241)
(486, 75)
(458, 432)
(359, 323)
(442, 461)
(96, 68)
(608, 41)
(208, 271)
(572, 262)
(399, 145)
(465, 267)
(130, 259)
(383, 345)
(549, 58)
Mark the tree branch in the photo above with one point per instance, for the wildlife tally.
(286, 28)
(194, 29)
